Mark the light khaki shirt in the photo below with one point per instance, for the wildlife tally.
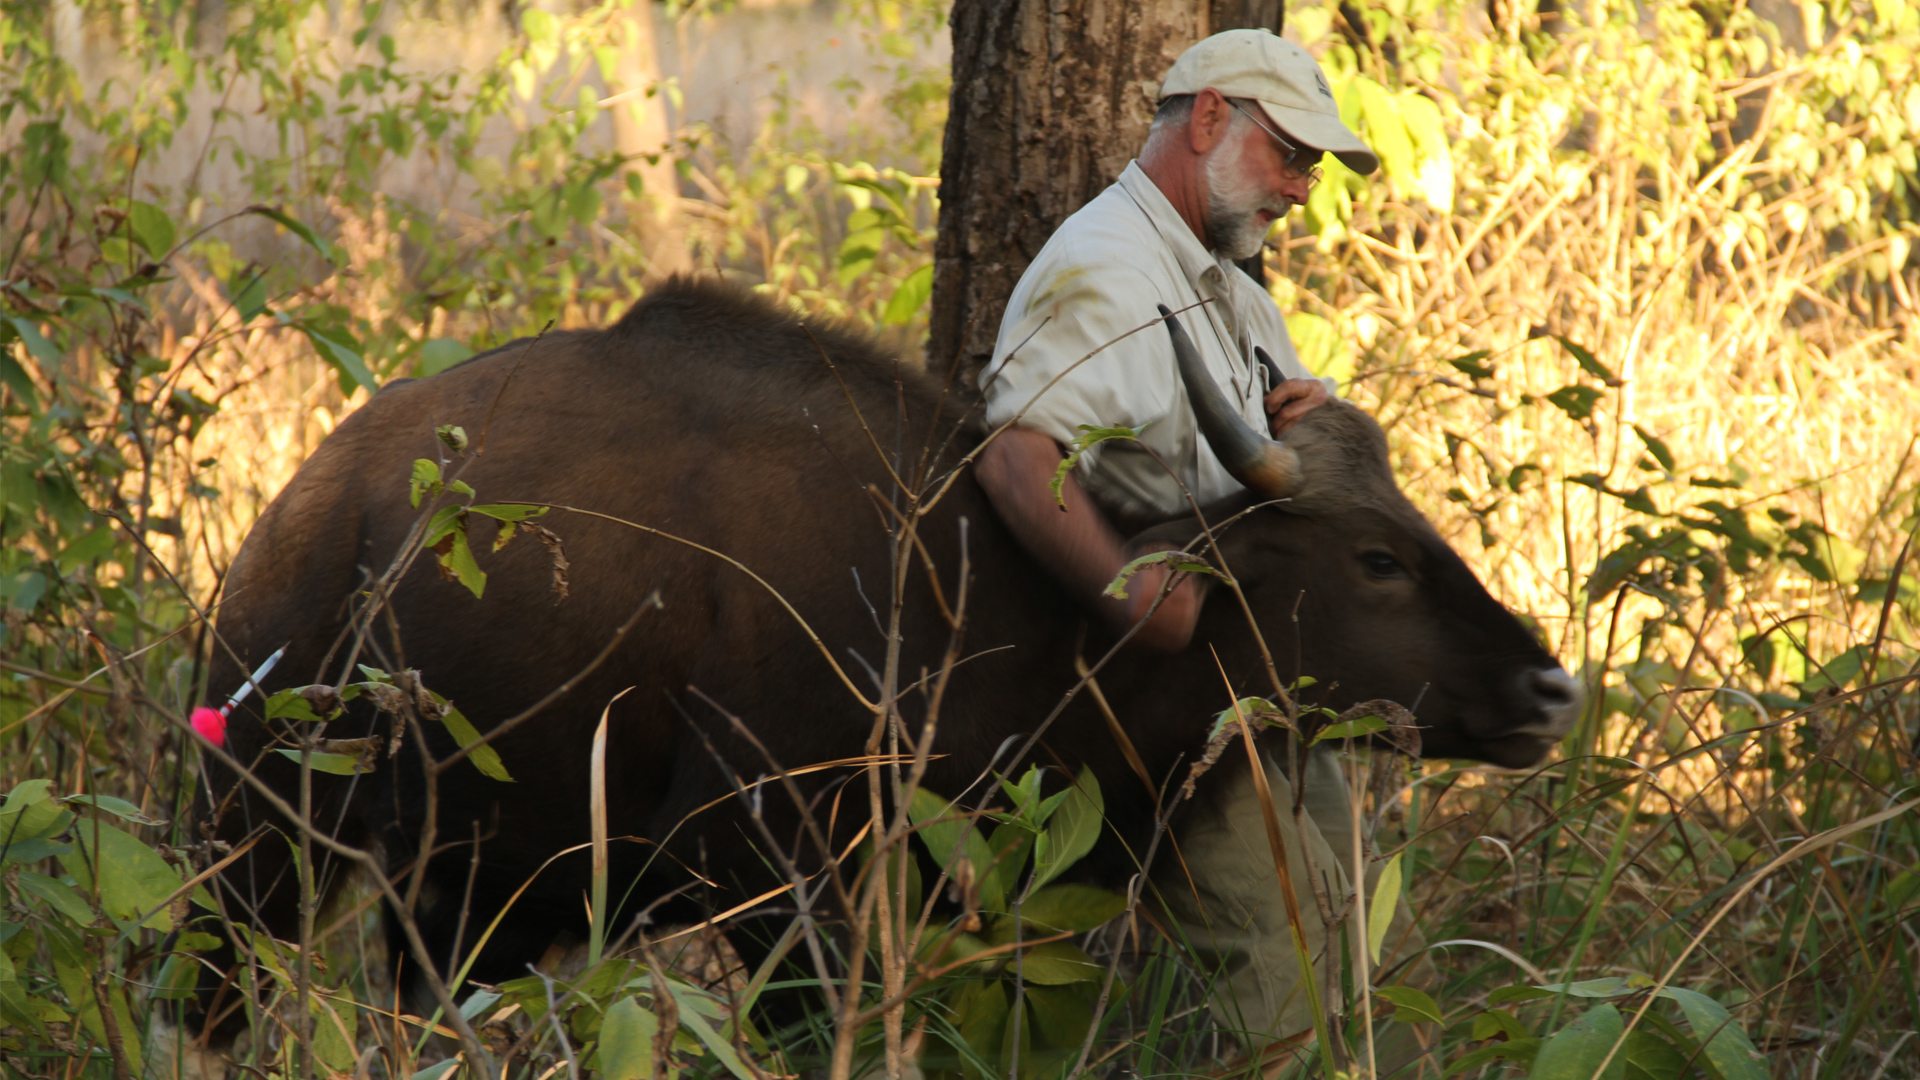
(1096, 282)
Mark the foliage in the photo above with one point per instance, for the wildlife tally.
(1021, 996)
(1670, 255)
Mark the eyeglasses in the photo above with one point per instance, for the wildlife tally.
(1300, 161)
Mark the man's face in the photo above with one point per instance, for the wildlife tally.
(1248, 189)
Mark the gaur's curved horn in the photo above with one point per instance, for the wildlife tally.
(1268, 467)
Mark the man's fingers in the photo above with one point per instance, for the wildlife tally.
(1291, 400)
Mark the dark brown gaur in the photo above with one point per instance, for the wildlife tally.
(710, 421)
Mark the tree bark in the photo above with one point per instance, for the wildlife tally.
(643, 133)
(1050, 101)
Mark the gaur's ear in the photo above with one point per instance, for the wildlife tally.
(1181, 532)
(1230, 527)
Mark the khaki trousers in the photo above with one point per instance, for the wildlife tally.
(1233, 914)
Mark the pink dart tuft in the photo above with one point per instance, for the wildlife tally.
(210, 724)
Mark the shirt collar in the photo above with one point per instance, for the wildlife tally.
(1194, 259)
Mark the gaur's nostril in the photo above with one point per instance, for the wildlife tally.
(1555, 687)
(1557, 697)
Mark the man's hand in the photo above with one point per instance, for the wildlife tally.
(1292, 400)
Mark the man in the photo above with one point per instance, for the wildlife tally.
(1243, 122)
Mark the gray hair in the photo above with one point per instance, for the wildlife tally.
(1174, 112)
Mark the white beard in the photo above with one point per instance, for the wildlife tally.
(1234, 202)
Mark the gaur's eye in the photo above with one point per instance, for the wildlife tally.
(1381, 565)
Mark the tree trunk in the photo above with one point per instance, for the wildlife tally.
(642, 132)
(1049, 104)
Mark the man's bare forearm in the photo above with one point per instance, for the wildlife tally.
(1077, 544)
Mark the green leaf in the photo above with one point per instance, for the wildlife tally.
(1575, 1051)
(439, 354)
(1071, 832)
(1837, 672)
(1900, 890)
(694, 1009)
(478, 1002)
(1386, 897)
(1588, 363)
(291, 704)
(334, 1042)
(1011, 844)
(108, 294)
(1409, 1000)
(1071, 907)
(329, 762)
(1090, 436)
(342, 357)
(88, 548)
(1491, 1022)
(1025, 795)
(30, 812)
(543, 30)
(1656, 447)
(910, 297)
(484, 756)
(438, 1071)
(1474, 364)
(249, 294)
(1058, 963)
(118, 807)
(1387, 133)
(116, 994)
(1059, 1017)
(459, 559)
(1728, 1047)
(58, 895)
(955, 844)
(1431, 148)
(1259, 713)
(508, 511)
(1357, 728)
(980, 1011)
(626, 1041)
(47, 147)
(24, 794)
(288, 222)
(1184, 562)
(152, 228)
(444, 523)
(424, 481)
(1611, 986)
(1576, 401)
(135, 882)
(1650, 1057)
(15, 379)
(37, 345)
(1320, 346)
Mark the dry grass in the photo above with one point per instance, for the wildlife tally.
(1758, 349)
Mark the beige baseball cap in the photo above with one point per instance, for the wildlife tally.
(1262, 66)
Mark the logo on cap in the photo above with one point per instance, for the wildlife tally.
(1321, 80)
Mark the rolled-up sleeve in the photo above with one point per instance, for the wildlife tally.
(1068, 355)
